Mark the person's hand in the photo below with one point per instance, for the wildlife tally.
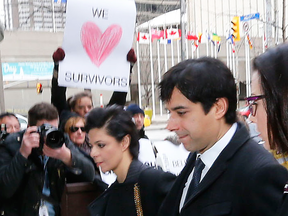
(63, 154)
(58, 55)
(131, 56)
(30, 140)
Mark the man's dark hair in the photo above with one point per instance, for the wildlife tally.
(272, 67)
(117, 122)
(8, 114)
(202, 80)
(41, 111)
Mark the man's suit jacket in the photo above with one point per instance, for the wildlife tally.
(283, 210)
(245, 180)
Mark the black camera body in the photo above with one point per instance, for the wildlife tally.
(51, 136)
(3, 133)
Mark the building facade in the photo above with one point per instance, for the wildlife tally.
(49, 16)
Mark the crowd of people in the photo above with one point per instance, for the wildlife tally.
(226, 173)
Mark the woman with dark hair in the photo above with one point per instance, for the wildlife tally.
(138, 188)
(269, 100)
(269, 105)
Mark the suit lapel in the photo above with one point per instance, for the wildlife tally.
(240, 137)
(172, 200)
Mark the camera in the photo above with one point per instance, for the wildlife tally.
(51, 136)
(3, 132)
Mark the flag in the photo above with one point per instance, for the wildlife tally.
(60, 1)
(172, 33)
(231, 40)
(216, 38)
(265, 42)
(230, 37)
(143, 38)
(249, 42)
(155, 34)
(199, 37)
(194, 45)
(189, 36)
(219, 46)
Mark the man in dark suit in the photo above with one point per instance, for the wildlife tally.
(226, 173)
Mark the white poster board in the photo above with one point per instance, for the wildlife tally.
(170, 157)
(98, 35)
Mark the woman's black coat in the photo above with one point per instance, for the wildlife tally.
(118, 199)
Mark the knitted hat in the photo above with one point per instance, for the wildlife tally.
(134, 109)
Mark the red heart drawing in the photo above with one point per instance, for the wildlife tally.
(99, 46)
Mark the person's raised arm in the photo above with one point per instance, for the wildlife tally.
(58, 94)
(117, 97)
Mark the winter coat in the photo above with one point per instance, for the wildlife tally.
(119, 198)
(22, 180)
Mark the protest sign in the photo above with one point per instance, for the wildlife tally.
(98, 35)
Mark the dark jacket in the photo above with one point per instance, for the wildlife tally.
(142, 134)
(118, 199)
(283, 210)
(21, 179)
(245, 180)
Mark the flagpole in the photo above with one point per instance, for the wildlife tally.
(138, 67)
(230, 59)
(53, 16)
(215, 49)
(247, 67)
(178, 51)
(192, 53)
(152, 73)
(234, 67)
(159, 73)
(172, 53)
(227, 51)
(207, 45)
(187, 50)
(165, 49)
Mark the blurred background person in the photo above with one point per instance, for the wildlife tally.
(11, 122)
(74, 127)
(138, 116)
(138, 188)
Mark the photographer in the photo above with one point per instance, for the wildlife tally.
(32, 174)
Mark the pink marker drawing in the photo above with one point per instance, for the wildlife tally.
(99, 46)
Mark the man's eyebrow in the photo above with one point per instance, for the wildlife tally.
(178, 107)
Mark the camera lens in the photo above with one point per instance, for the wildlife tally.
(55, 139)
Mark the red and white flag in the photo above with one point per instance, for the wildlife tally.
(143, 38)
(156, 34)
(172, 33)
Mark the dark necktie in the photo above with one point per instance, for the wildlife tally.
(199, 166)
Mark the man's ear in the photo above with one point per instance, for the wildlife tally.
(221, 106)
(125, 142)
